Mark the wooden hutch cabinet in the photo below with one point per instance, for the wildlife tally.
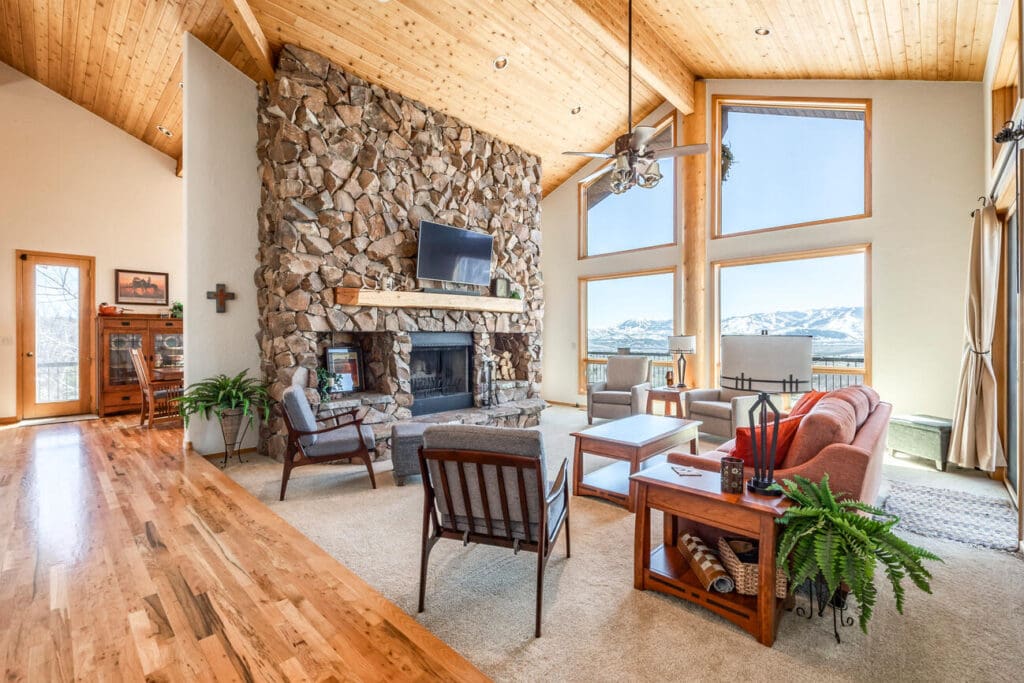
(161, 342)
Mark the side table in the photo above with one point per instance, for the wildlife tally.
(672, 396)
(699, 500)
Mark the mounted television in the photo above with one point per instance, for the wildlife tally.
(454, 255)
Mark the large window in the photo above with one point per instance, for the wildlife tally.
(820, 293)
(626, 313)
(788, 163)
(637, 219)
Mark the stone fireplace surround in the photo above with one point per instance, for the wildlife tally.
(348, 170)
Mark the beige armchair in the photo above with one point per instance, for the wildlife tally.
(624, 393)
(721, 410)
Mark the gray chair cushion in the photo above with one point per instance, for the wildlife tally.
(720, 409)
(622, 398)
(404, 430)
(523, 442)
(300, 414)
(625, 372)
(339, 441)
(729, 394)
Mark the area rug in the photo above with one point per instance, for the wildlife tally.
(981, 521)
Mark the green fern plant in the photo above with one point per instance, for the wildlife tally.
(220, 393)
(827, 537)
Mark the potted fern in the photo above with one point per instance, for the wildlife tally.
(231, 399)
(827, 539)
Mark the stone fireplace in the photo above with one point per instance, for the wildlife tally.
(348, 171)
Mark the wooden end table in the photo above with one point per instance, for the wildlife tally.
(699, 500)
(630, 441)
(672, 396)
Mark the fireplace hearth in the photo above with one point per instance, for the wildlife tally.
(441, 371)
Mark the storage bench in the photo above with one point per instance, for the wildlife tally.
(923, 436)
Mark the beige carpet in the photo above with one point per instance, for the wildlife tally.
(597, 627)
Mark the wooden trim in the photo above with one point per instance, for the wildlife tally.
(581, 201)
(89, 394)
(717, 101)
(716, 279)
(354, 296)
(13, 419)
(249, 30)
(581, 312)
(695, 251)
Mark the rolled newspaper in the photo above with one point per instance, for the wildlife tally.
(705, 564)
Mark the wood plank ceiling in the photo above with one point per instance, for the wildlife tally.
(121, 59)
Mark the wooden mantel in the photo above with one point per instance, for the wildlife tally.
(353, 296)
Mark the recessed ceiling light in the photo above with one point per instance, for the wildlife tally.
(166, 131)
(762, 31)
(181, 84)
(576, 110)
(500, 63)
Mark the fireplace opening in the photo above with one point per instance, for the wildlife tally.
(440, 371)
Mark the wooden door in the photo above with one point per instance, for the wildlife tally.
(55, 338)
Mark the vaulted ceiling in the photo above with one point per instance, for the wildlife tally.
(121, 59)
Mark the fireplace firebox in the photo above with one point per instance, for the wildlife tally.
(441, 371)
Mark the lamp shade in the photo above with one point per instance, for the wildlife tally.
(681, 343)
(769, 363)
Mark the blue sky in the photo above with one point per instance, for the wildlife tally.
(647, 297)
(638, 218)
(793, 285)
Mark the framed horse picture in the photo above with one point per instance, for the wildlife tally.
(140, 287)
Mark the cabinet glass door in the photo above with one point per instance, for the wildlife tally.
(120, 370)
(168, 351)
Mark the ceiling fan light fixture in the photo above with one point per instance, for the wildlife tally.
(500, 63)
(650, 176)
(762, 31)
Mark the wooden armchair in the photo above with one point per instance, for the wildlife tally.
(308, 445)
(489, 485)
(158, 398)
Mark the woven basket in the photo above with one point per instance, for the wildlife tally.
(745, 574)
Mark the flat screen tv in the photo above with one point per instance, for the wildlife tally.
(454, 255)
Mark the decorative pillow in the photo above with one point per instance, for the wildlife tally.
(806, 402)
(787, 432)
(857, 399)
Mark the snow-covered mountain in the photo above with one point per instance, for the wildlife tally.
(836, 331)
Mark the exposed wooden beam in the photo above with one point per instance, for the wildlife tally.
(654, 62)
(180, 168)
(695, 232)
(252, 35)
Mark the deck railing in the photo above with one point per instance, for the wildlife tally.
(56, 382)
(829, 372)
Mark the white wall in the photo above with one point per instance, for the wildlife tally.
(72, 183)
(928, 170)
(222, 194)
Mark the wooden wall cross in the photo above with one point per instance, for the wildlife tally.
(222, 295)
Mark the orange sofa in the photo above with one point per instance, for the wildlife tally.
(843, 435)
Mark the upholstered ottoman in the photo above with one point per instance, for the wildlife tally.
(923, 436)
(406, 439)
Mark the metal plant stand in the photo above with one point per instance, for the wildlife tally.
(818, 599)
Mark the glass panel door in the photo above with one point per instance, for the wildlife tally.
(168, 351)
(120, 370)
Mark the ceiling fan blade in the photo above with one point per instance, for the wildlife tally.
(592, 155)
(680, 151)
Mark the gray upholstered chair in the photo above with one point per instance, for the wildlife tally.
(624, 393)
(721, 410)
(308, 445)
(489, 485)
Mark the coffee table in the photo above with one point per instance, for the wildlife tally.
(631, 441)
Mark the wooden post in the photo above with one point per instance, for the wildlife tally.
(695, 261)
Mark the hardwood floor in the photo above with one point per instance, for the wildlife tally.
(122, 558)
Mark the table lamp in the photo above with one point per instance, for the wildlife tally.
(682, 345)
(765, 364)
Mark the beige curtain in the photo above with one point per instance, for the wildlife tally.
(975, 438)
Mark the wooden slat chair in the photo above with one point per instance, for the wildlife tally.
(158, 398)
(489, 485)
(308, 445)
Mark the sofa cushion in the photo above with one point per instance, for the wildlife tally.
(832, 420)
(720, 409)
(625, 372)
(856, 398)
(744, 450)
(622, 398)
(872, 395)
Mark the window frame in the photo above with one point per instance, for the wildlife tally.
(582, 186)
(581, 332)
(863, 248)
(719, 101)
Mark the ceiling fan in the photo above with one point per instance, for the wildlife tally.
(636, 162)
